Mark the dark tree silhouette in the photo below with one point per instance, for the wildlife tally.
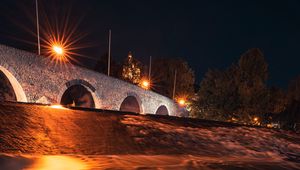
(239, 92)
(101, 66)
(291, 116)
(163, 77)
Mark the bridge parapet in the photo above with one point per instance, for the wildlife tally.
(39, 80)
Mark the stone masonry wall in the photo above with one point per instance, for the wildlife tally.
(44, 81)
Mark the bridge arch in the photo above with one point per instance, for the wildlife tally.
(132, 103)
(13, 84)
(79, 93)
(162, 110)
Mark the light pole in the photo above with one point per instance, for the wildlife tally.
(109, 46)
(150, 65)
(37, 26)
(174, 85)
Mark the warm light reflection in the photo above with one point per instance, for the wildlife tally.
(58, 162)
(57, 107)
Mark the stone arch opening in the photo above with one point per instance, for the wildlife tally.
(10, 88)
(162, 110)
(130, 104)
(78, 96)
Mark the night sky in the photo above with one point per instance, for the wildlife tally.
(208, 34)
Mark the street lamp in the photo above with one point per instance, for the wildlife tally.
(58, 50)
(256, 121)
(181, 101)
(145, 84)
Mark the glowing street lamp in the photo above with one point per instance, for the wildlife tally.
(256, 121)
(181, 101)
(145, 84)
(58, 50)
(59, 40)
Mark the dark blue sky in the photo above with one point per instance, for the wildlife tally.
(208, 34)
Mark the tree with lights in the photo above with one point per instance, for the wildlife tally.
(131, 70)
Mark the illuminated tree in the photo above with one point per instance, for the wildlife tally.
(131, 70)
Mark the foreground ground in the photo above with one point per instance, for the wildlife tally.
(42, 137)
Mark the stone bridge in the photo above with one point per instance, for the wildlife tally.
(27, 77)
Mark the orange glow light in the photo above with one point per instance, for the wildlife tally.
(60, 37)
(58, 162)
(58, 49)
(145, 84)
(57, 107)
(61, 41)
(181, 101)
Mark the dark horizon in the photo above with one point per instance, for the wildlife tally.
(206, 34)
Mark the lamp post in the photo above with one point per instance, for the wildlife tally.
(174, 84)
(150, 65)
(109, 47)
(37, 26)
